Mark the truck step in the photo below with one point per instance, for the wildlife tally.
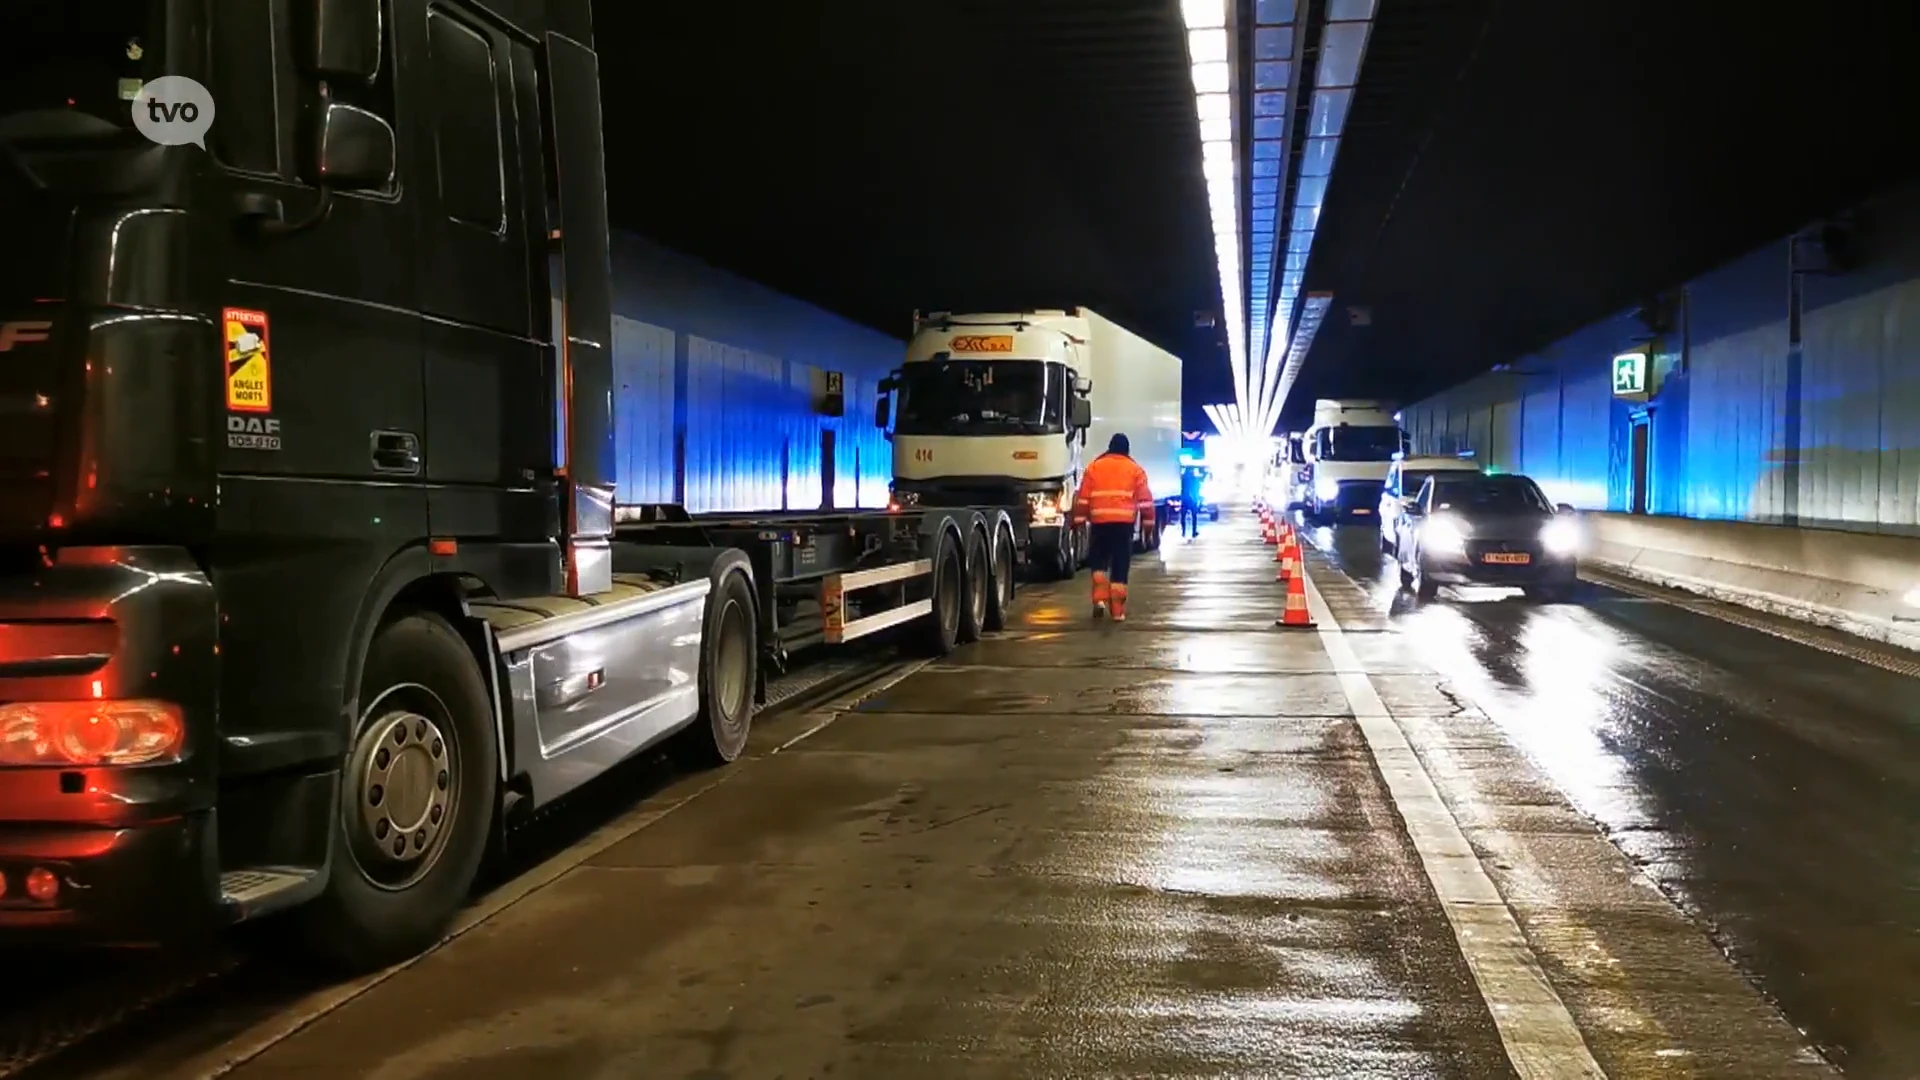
(258, 890)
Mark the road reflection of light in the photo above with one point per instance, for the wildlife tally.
(1232, 835)
(1564, 719)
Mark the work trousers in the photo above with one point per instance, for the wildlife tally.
(1189, 517)
(1110, 549)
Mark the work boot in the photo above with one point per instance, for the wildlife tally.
(1119, 603)
(1100, 593)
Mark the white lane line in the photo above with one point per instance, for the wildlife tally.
(304, 1012)
(1539, 1034)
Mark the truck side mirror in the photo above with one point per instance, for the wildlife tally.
(354, 151)
(1565, 508)
(1082, 413)
(882, 411)
(340, 39)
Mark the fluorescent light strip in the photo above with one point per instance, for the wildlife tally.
(1209, 52)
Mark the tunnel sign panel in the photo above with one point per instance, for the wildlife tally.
(1630, 374)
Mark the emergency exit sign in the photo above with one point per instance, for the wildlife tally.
(1630, 375)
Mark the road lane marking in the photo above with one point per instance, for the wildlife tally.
(1539, 1034)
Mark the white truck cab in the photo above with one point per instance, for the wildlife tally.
(1348, 451)
(1404, 478)
(1005, 408)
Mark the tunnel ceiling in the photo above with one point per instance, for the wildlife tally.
(886, 156)
(1510, 169)
(1515, 169)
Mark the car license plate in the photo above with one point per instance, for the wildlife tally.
(1514, 558)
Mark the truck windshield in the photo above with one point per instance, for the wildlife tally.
(1359, 443)
(69, 56)
(982, 397)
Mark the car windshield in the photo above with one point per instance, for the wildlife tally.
(64, 55)
(1490, 495)
(1360, 443)
(982, 397)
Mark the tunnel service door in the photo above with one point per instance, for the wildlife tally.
(1639, 465)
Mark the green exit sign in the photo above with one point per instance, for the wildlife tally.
(1630, 375)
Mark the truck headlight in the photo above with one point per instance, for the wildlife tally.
(1560, 537)
(1043, 507)
(903, 500)
(1443, 537)
(90, 733)
(1326, 489)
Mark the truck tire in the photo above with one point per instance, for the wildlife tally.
(979, 583)
(1000, 591)
(416, 799)
(939, 632)
(729, 661)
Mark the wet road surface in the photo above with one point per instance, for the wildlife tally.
(1770, 788)
(1188, 846)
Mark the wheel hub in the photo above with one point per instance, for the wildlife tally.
(405, 784)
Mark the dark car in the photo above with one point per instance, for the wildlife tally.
(1474, 529)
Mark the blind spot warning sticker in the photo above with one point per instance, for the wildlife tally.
(249, 368)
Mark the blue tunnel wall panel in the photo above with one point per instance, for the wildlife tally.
(1746, 424)
(715, 379)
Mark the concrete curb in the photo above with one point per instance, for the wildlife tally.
(1856, 583)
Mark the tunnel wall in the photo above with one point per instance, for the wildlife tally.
(1744, 424)
(713, 401)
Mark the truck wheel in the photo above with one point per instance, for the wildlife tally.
(940, 630)
(728, 665)
(1000, 588)
(979, 573)
(416, 799)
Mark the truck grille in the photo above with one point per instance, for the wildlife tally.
(1358, 495)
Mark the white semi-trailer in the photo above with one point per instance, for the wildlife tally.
(1003, 410)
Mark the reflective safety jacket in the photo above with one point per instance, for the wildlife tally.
(1114, 489)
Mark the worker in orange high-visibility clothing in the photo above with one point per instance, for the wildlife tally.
(1113, 491)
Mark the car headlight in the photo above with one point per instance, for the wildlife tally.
(1326, 489)
(1443, 537)
(1560, 537)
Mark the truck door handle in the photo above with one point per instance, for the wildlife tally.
(396, 452)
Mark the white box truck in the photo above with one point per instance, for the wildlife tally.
(1347, 452)
(1003, 410)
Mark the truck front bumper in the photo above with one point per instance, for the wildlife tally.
(111, 885)
(121, 853)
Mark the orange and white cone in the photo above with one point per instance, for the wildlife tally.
(1289, 559)
(1296, 617)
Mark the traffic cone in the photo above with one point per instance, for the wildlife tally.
(1296, 617)
(1289, 563)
